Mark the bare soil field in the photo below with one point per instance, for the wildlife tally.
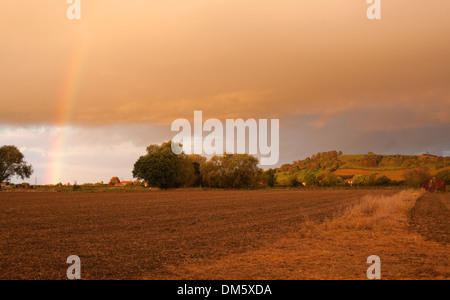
(194, 234)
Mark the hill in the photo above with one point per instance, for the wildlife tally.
(347, 166)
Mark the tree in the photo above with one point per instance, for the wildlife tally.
(330, 179)
(240, 170)
(371, 160)
(270, 177)
(114, 181)
(161, 168)
(233, 171)
(197, 161)
(311, 178)
(415, 177)
(187, 175)
(360, 180)
(292, 181)
(371, 179)
(444, 176)
(211, 172)
(12, 164)
(383, 181)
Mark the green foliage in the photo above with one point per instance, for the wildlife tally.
(197, 161)
(330, 179)
(328, 161)
(12, 164)
(187, 175)
(163, 169)
(292, 181)
(415, 177)
(270, 177)
(444, 176)
(231, 171)
(392, 162)
(371, 160)
(383, 181)
(360, 180)
(114, 181)
(371, 179)
(311, 178)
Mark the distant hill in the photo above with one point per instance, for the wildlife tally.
(391, 166)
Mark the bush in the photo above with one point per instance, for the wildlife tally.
(360, 180)
(114, 181)
(163, 169)
(330, 179)
(311, 178)
(415, 177)
(371, 160)
(270, 177)
(444, 176)
(383, 181)
(293, 181)
(232, 171)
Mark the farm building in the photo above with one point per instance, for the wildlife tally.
(434, 185)
(349, 182)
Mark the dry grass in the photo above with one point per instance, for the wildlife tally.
(374, 212)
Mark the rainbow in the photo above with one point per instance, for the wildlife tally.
(65, 110)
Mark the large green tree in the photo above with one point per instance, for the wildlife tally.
(13, 164)
(233, 171)
(161, 168)
(270, 177)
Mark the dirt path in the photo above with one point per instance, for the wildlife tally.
(431, 217)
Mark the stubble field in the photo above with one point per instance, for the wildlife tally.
(194, 234)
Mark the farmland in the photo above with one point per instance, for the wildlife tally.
(196, 234)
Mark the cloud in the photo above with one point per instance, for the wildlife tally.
(113, 82)
(154, 62)
(85, 154)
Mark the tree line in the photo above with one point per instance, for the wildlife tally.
(161, 168)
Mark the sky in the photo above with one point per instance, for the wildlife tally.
(82, 99)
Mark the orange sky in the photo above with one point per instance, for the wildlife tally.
(139, 62)
(155, 61)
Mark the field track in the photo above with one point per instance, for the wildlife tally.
(144, 235)
(431, 217)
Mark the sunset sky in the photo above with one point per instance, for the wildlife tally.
(83, 99)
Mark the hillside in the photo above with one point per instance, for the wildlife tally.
(392, 162)
(391, 166)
